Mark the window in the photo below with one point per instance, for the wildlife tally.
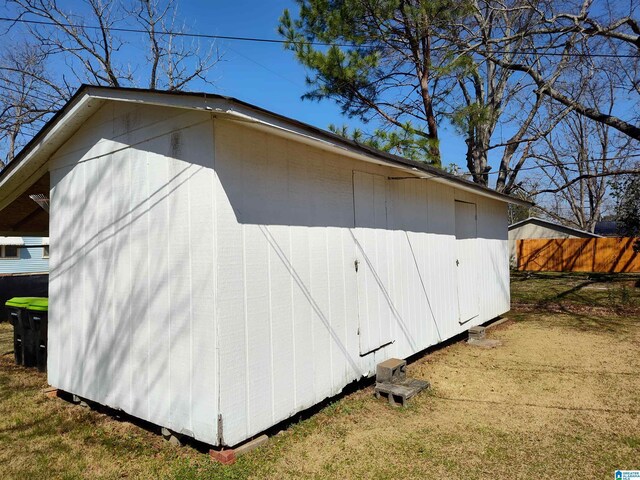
(45, 251)
(9, 251)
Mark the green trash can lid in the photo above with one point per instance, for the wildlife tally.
(39, 304)
(20, 302)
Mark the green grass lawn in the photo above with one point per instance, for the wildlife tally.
(617, 293)
(558, 399)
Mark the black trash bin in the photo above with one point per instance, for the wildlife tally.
(38, 312)
(23, 343)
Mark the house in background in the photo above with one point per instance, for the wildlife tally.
(217, 267)
(607, 228)
(534, 227)
(24, 255)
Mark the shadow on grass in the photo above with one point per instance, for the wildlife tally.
(586, 322)
(537, 405)
(575, 289)
(576, 292)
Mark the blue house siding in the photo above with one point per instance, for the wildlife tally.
(30, 260)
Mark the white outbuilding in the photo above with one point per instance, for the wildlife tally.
(216, 268)
(535, 228)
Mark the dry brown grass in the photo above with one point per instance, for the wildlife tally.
(51, 438)
(557, 400)
(554, 400)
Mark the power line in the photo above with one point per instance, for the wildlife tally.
(551, 165)
(52, 99)
(278, 41)
(49, 97)
(274, 72)
(175, 34)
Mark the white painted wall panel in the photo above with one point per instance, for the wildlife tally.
(291, 316)
(467, 261)
(158, 260)
(133, 317)
(210, 269)
(375, 306)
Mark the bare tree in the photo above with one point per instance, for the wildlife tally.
(173, 62)
(569, 42)
(91, 45)
(577, 160)
(29, 95)
(493, 96)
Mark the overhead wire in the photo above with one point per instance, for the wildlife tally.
(37, 97)
(280, 41)
(275, 40)
(563, 164)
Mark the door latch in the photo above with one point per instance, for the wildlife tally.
(457, 263)
(355, 264)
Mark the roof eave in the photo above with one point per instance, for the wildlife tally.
(32, 161)
(71, 116)
(551, 224)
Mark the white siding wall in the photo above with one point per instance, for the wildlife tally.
(287, 292)
(132, 277)
(193, 277)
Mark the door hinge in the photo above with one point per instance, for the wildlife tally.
(355, 264)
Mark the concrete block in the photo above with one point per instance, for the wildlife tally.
(79, 401)
(173, 438)
(392, 370)
(477, 333)
(398, 393)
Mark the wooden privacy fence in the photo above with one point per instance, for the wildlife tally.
(613, 255)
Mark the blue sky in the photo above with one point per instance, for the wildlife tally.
(266, 74)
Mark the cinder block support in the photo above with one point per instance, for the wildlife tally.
(173, 438)
(477, 338)
(477, 333)
(79, 401)
(392, 370)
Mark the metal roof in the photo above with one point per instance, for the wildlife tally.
(550, 224)
(13, 241)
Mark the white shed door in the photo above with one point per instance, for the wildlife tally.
(467, 261)
(372, 267)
